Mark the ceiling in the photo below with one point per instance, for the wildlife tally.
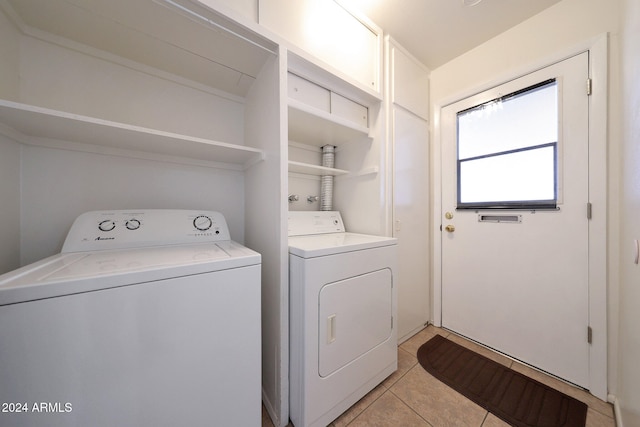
(436, 31)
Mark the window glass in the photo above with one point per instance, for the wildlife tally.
(507, 150)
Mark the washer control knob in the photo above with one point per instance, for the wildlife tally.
(132, 224)
(202, 222)
(107, 225)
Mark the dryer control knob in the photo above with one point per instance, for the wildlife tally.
(202, 223)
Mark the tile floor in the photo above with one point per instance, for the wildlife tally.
(412, 397)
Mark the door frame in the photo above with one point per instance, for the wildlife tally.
(598, 181)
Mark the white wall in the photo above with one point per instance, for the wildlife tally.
(629, 368)
(556, 31)
(58, 185)
(9, 52)
(361, 196)
(534, 40)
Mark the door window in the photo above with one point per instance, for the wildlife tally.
(508, 150)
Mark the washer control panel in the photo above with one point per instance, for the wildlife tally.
(121, 229)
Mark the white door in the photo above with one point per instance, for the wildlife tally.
(514, 219)
(411, 219)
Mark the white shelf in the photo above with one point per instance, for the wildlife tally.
(313, 126)
(41, 122)
(309, 169)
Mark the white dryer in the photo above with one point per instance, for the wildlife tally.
(343, 339)
(146, 318)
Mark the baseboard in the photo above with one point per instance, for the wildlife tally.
(270, 409)
(409, 335)
(611, 398)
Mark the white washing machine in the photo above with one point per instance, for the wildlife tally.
(343, 339)
(146, 318)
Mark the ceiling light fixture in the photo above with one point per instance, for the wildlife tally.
(470, 2)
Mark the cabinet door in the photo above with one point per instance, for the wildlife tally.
(326, 30)
(347, 109)
(308, 93)
(247, 8)
(410, 85)
(411, 219)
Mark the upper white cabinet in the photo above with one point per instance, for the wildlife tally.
(409, 84)
(348, 43)
(246, 8)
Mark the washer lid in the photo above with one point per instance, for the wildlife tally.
(335, 243)
(71, 273)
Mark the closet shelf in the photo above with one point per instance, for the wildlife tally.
(309, 169)
(41, 122)
(313, 126)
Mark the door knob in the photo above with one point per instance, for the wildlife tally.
(450, 228)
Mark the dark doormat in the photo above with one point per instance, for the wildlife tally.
(509, 395)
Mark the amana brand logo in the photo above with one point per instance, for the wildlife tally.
(105, 238)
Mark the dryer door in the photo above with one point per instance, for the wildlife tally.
(355, 315)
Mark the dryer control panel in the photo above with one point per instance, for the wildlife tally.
(302, 223)
(121, 229)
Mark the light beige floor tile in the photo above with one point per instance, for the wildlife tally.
(413, 397)
(412, 344)
(597, 419)
(406, 361)
(503, 360)
(493, 421)
(359, 406)
(604, 408)
(435, 402)
(388, 411)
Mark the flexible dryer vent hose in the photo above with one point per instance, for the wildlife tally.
(326, 181)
